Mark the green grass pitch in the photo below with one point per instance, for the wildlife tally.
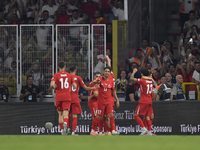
(86, 142)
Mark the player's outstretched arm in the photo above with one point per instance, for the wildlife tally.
(91, 88)
(148, 78)
(108, 60)
(52, 84)
(95, 82)
(115, 96)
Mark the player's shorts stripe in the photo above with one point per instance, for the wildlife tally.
(138, 110)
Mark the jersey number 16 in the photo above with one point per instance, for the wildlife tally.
(64, 84)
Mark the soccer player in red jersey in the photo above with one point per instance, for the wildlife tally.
(64, 82)
(75, 107)
(92, 104)
(105, 102)
(144, 107)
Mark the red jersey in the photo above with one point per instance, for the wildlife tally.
(146, 88)
(75, 92)
(92, 92)
(105, 90)
(63, 82)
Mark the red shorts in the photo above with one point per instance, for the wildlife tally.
(62, 105)
(144, 109)
(104, 109)
(75, 108)
(93, 107)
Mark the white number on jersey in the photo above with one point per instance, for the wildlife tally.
(64, 84)
(149, 88)
(105, 89)
(73, 89)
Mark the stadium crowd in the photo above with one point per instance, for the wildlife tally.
(37, 46)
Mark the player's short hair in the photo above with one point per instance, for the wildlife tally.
(61, 65)
(107, 67)
(144, 71)
(97, 72)
(29, 76)
(72, 68)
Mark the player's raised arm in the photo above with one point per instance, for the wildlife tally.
(132, 75)
(91, 88)
(107, 59)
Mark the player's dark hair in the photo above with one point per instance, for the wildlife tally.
(72, 68)
(29, 76)
(97, 73)
(107, 67)
(61, 65)
(150, 73)
(162, 76)
(144, 71)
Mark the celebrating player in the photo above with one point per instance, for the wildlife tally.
(63, 81)
(105, 102)
(75, 107)
(145, 104)
(92, 104)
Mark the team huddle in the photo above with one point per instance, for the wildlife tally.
(100, 101)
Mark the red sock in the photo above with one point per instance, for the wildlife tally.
(145, 122)
(96, 120)
(104, 125)
(139, 121)
(66, 120)
(69, 121)
(112, 123)
(149, 125)
(151, 119)
(93, 123)
(109, 130)
(61, 125)
(100, 124)
(74, 123)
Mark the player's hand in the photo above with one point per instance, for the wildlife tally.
(106, 58)
(98, 81)
(97, 86)
(135, 70)
(89, 98)
(117, 104)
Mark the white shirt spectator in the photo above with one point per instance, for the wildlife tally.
(51, 10)
(74, 31)
(41, 34)
(153, 62)
(48, 21)
(30, 11)
(118, 13)
(70, 8)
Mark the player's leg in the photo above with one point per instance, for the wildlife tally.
(65, 106)
(149, 123)
(145, 122)
(69, 121)
(60, 121)
(93, 108)
(141, 110)
(100, 115)
(76, 109)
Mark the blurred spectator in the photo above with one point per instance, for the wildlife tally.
(106, 10)
(74, 30)
(4, 38)
(45, 16)
(196, 74)
(118, 12)
(14, 18)
(109, 35)
(37, 74)
(173, 71)
(83, 93)
(164, 91)
(6, 7)
(61, 16)
(32, 7)
(98, 19)
(121, 82)
(11, 57)
(51, 8)
(17, 10)
(194, 34)
(192, 21)
(184, 8)
(144, 47)
(88, 7)
(145, 21)
(42, 34)
(130, 92)
(83, 34)
(156, 76)
(138, 59)
(155, 91)
(47, 79)
(5, 96)
(71, 6)
(29, 92)
(184, 51)
(11, 81)
(182, 71)
(177, 90)
(2, 15)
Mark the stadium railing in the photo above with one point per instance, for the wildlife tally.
(193, 87)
